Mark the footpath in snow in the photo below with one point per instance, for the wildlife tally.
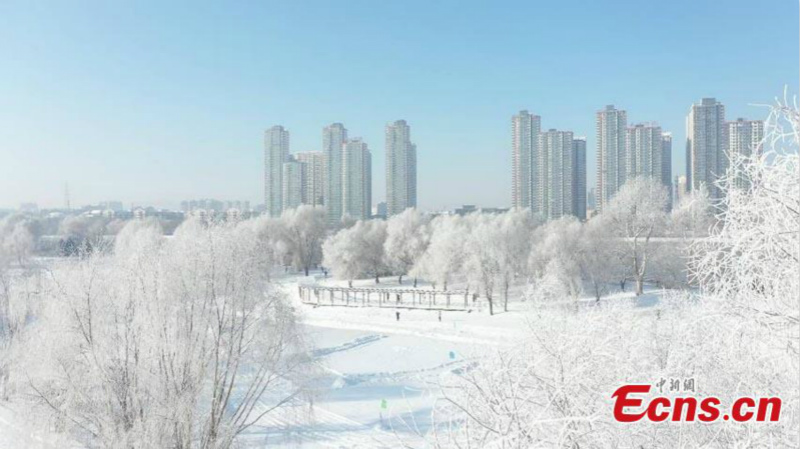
(474, 327)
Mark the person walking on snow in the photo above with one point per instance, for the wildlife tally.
(398, 315)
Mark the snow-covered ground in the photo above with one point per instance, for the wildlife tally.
(376, 389)
(18, 434)
(381, 374)
(378, 377)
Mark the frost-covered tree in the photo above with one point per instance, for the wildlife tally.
(693, 216)
(513, 245)
(304, 230)
(357, 251)
(18, 282)
(738, 337)
(554, 260)
(669, 263)
(407, 237)
(635, 215)
(176, 342)
(444, 256)
(137, 237)
(482, 260)
(80, 235)
(753, 258)
(751, 261)
(270, 239)
(597, 260)
(16, 242)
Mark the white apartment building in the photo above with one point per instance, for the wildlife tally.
(706, 160)
(744, 138)
(525, 129)
(611, 153)
(333, 140)
(644, 145)
(292, 190)
(276, 151)
(401, 168)
(314, 177)
(579, 178)
(356, 180)
(558, 169)
(666, 164)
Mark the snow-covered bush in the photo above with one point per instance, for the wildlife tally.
(554, 389)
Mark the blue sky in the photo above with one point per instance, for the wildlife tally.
(153, 102)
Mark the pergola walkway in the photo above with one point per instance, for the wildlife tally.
(384, 297)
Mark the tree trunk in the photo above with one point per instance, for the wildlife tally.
(639, 285)
(505, 299)
(641, 267)
(491, 304)
(400, 279)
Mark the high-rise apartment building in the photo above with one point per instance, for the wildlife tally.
(314, 177)
(401, 168)
(357, 180)
(333, 140)
(744, 138)
(557, 183)
(611, 153)
(706, 159)
(276, 151)
(643, 148)
(579, 178)
(293, 177)
(525, 129)
(666, 164)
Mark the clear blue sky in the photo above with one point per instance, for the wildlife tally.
(153, 102)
